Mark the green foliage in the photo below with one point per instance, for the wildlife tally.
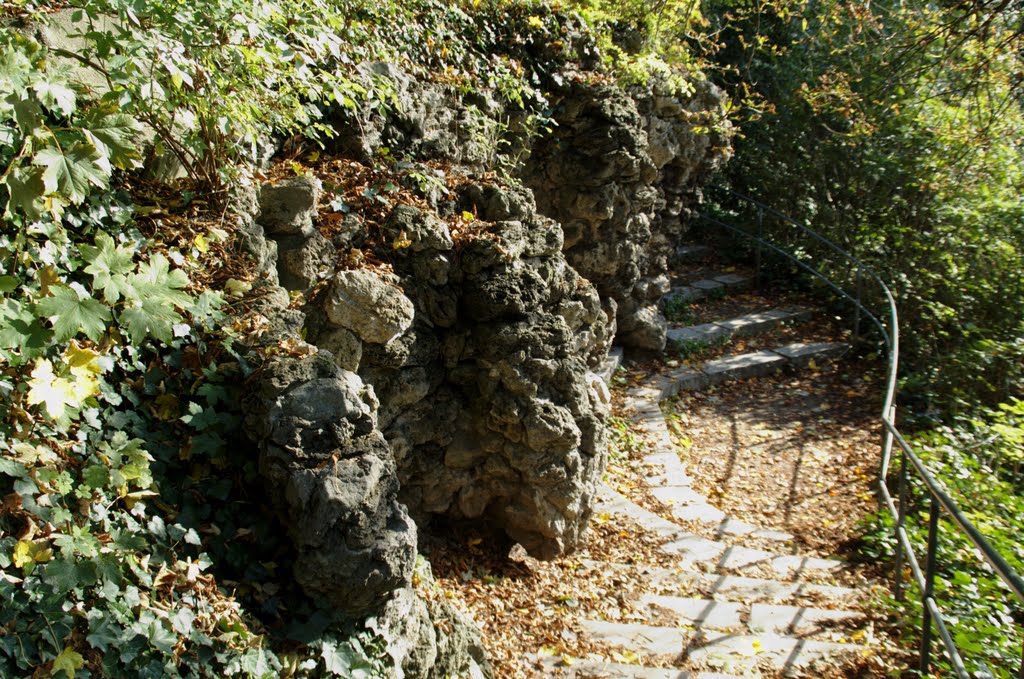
(968, 459)
(53, 153)
(895, 131)
(640, 40)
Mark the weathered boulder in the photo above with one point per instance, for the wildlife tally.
(429, 639)
(332, 478)
(370, 305)
(288, 207)
(286, 214)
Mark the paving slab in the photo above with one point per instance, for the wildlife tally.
(705, 333)
(743, 653)
(596, 669)
(638, 638)
(797, 620)
(801, 354)
(703, 613)
(743, 366)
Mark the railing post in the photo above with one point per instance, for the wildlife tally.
(856, 309)
(929, 588)
(757, 251)
(900, 520)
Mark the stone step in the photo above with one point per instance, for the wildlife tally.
(716, 284)
(801, 354)
(717, 556)
(687, 504)
(597, 669)
(740, 326)
(688, 254)
(742, 366)
(790, 656)
(688, 583)
(733, 653)
(691, 612)
(611, 364)
(708, 555)
(801, 621)
(739, 616)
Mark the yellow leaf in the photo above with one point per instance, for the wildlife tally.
(401, 241)
(55, 393)
(201, 244)
(568, 660)
(547, 652)
(81, 358)
(812, 365)
(237, 288)
(468, 216)
(535, 21)
(29, 551)
(69, 661)
(312, 156)
(166, 407)
(473, 542)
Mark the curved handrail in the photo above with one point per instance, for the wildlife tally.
(940, 499)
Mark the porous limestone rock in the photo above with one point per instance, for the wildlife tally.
(429, 639)
(332, 478)
(486, 397)
(368, 304)
(618, 172)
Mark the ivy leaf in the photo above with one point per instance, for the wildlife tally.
(70, 175)
(69, 661)
(71, 314)
(255, 663)
(114, 134)
(19, 328)
(338, 658)
(25, 184)
(109, 266)
(162, 638)
(103, 634)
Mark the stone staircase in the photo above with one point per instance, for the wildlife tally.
(740, 600)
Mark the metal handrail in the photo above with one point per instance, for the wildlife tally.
(940, 500)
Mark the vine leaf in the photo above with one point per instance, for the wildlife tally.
(109, 266)
(71, 314)
(113, 134)
(69, 661)
(69, 175)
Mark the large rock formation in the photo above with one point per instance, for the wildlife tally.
(454, 377)
(488, 400)
(618, 172)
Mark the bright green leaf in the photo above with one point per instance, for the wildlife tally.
(71, 314)
(109, 266)
(71, 175)
(69, 661)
